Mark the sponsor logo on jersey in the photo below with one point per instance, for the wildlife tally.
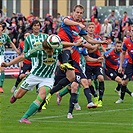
(49, 61)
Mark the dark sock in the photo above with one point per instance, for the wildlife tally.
(72, 102)
(118, 87)
(40, 108)
(61, 84)
(128, 91)
(93, 91)
(87, 93)
(65, 56)
(123, 89)
(18, 81)
(101, 90)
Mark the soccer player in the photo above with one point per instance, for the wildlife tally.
(80, 78)
(95, 68)
(26, 65)
(36, 36)
(128, 73)
(111, 66)
(71, 28)
(42, 75)
(4, 38)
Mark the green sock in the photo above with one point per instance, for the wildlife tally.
(96, 84)
(32, 109)
(2, 77)
(64, 92)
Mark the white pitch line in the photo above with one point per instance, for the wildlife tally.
(87, 122)
(94, 112)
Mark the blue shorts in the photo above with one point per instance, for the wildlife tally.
(128, 72)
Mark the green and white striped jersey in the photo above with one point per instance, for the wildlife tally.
(45, 65)
(29, 43)
(4, 38)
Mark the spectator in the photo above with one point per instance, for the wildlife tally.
(111, 17)
(47, 28)
(94, 13)
(106, 28)
(55, 26)
(59, 19)
(97, 26)
(21, 25)
(31, 18)
(124, 19)
(125, 28)
(116, 25)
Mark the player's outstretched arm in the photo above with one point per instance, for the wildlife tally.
(90, 59)
(14, 61)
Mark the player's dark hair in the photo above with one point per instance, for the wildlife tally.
(36, 22)
(118, 42)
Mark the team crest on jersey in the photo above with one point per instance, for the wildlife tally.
(49, 61)
(1, 43)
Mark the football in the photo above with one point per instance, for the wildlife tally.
(53, 41)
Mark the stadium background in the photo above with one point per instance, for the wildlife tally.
(41, 7)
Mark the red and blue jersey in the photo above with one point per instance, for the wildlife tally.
(21, 47)
(95, 54)
(128, 45)
(69, 33)
(75, 56)
(111, 59)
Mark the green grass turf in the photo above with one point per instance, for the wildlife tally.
(111, 118)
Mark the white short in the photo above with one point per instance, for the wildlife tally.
(1, 58)
(31, 81)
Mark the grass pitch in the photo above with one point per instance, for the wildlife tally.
(111, 118)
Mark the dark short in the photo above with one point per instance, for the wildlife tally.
(79, 76)
(60, 74)
(128, 72)
(93, 70)
(25, 68)
(112, 74)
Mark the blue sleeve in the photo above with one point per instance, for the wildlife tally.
(84, 52)
(83, 32)
(124, 48)
(106, 54)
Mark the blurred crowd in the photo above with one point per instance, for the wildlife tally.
(111, 29)
(18, 24)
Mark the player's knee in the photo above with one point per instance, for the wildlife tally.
(100, 78)
(118, 79)
(21, 76)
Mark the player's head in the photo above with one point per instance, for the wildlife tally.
(118, 46)
(47, 49)
(78, 11)
(91, 27)
(36, 25)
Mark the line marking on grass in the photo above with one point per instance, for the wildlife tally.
(87, 122)
(77, 114)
